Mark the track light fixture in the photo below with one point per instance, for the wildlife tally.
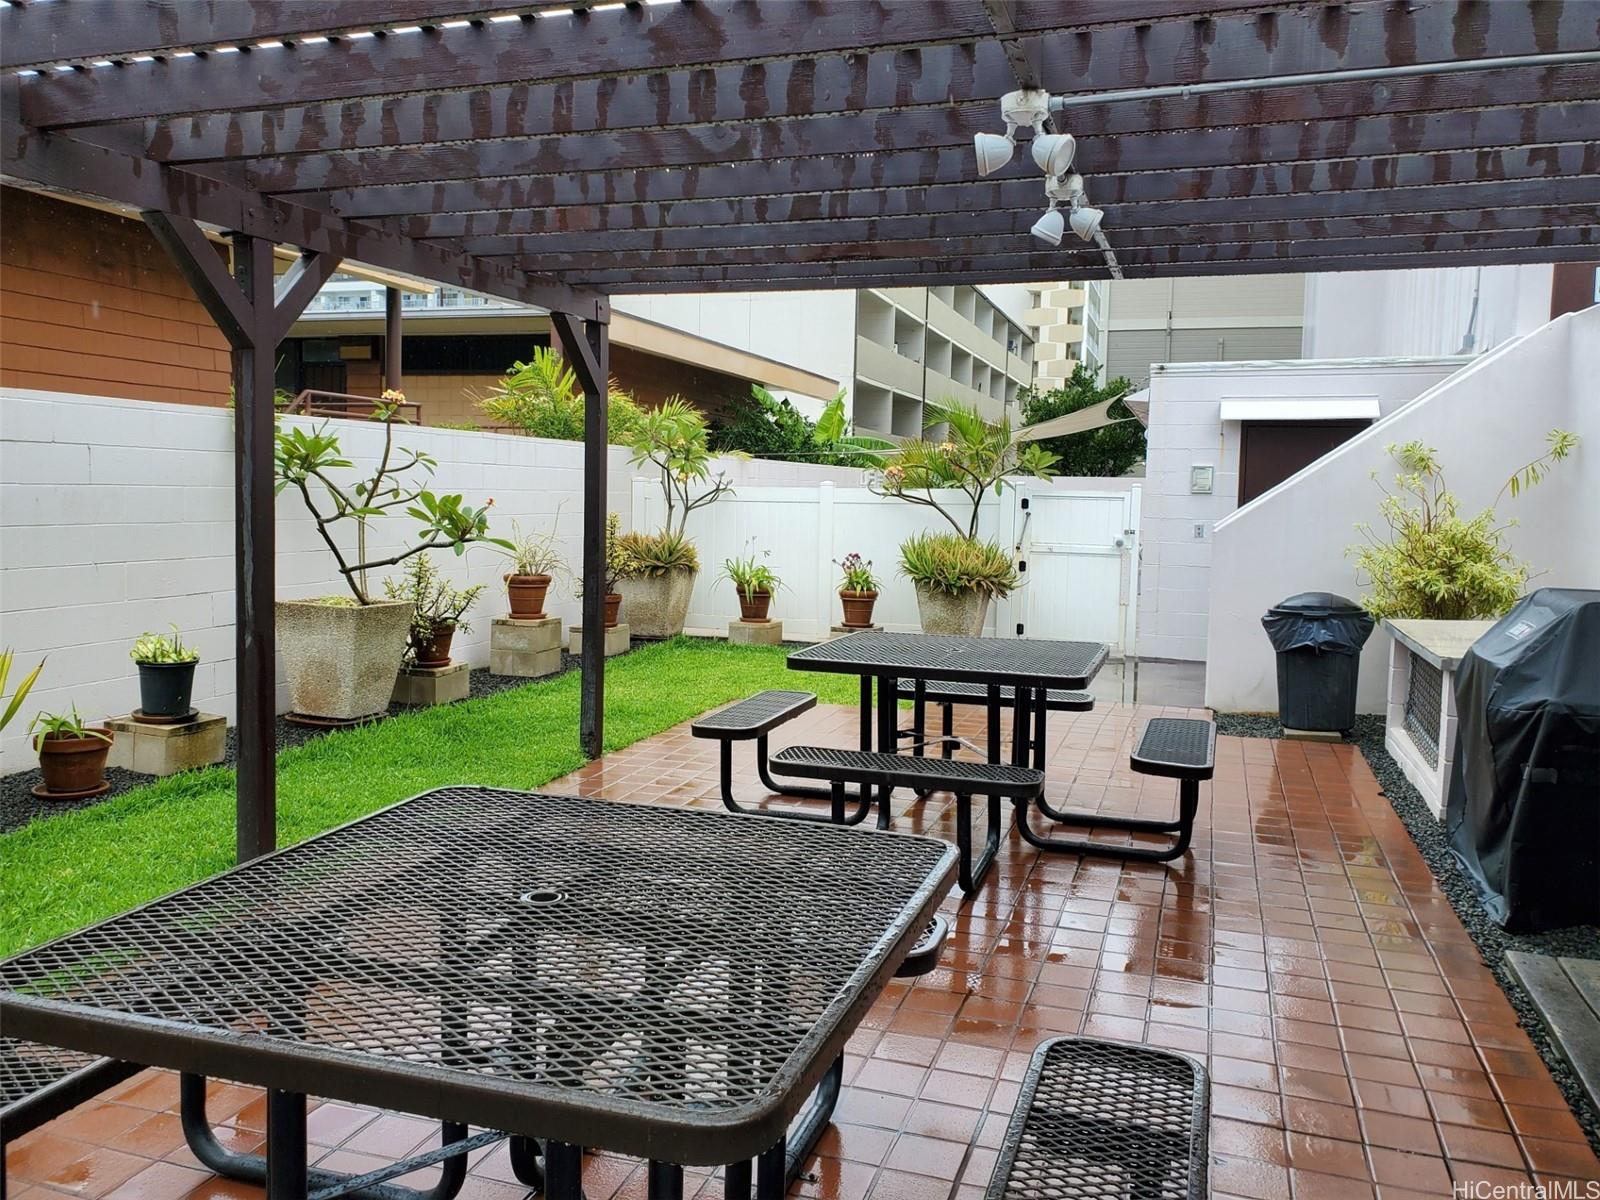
(1030, 107)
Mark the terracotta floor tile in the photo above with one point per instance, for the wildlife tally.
(1358, 1047)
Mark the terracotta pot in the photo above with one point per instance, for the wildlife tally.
(74, 764)
(527, 593)
(858, 608)
(753, 607)
(613, 604)
(435, 650)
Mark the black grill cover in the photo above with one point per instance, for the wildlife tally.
(1523, 811)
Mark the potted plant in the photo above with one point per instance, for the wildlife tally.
(672, 440)
(755, 582)
(956, 575)
(437, 609)
(341, 653)
(166, 674)
(535, 562)
(620, 563)
(72, 755)
(955, 578)
(858, 591)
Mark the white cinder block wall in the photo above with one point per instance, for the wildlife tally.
(1486, 420)
(1186, 430)
(116, 517)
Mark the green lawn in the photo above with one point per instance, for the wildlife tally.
(64, 872)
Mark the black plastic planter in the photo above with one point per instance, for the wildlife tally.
(165, 688)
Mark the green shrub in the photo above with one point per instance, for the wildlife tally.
(541, 397)
(656, 553)
(946, 562)
(1108, 451)
(1436, 564)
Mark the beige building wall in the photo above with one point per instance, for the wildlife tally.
(1234, 318)
(1068, 324)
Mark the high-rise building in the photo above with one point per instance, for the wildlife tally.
(1225, 318)
(1068, 322)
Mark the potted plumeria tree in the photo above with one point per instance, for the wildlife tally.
(672, 440)
(341, 653)
(755, 582)
(166, 675)
(956, 575)
(858, 591)
(72, 755)
(438, 610)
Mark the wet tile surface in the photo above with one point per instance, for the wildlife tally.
(1357, 1044)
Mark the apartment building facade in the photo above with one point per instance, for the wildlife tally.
(1068, 321)
(1237, 318)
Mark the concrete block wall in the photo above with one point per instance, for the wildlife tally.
(116, 517)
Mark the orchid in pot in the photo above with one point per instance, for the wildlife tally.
(858, 590)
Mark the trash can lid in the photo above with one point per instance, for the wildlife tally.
(1316, 604)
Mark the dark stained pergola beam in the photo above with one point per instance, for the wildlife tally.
(923, 275)
(58, 163)
(800, 262)
(860, 82)
(953, 126)
(812, 217)
(900, 237)
(85, 30)
(657, 38)
(774, 190)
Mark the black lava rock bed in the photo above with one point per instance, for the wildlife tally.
(1577, 941)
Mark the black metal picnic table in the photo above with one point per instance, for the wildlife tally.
(1030, 667)
(664, 983)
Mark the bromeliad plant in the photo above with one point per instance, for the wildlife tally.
(308, 460)
(975, 456)
(1434, 563)
(942, 562)
(655, 554)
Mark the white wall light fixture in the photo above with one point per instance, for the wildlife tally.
(1030, 107)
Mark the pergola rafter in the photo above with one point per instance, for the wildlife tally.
(554, 154)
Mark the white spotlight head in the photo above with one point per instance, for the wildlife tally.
(992, 151)
(1053, 152)
(1050, 227)
(1086, 222)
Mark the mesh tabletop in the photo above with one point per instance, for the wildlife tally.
(1030, 662)
(27, 1068)
(660, 982)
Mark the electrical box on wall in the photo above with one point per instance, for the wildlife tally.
(1201, 479)
(1199, 531)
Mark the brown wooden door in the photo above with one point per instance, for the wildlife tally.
(1271, 451)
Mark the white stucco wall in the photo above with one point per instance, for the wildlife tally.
(1486, 420)
(1186, 430)
(1427, 311)
(116, 517)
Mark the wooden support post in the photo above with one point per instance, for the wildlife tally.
(254, 310)
(587, 346)
(392, 375)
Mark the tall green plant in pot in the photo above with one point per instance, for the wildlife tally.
(166, 675)
(1433, 563)
(957, 575)
(672, 443)
(341, 653)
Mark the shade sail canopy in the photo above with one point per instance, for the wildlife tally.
(1096, 416)
(557, 154)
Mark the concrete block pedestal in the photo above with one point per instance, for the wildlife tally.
(755, 633)
(618, 640)
(842, 630)
(424, 686)
(524, 648)
(168, 749)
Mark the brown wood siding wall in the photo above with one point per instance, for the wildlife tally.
(89, 303)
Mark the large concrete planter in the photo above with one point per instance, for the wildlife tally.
(943, 612)
(657, 605)
(341, 662)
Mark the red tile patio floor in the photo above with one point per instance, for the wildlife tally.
(1358, 1046)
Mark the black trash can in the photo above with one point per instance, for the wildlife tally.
(1318, 637)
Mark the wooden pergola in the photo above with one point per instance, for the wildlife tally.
(554, 155)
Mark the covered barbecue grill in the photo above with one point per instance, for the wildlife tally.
(1523, 811)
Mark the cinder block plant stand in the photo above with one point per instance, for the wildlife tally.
(525, 648)
(618, 640)
(424, 686)
(167, 749)
(755, 633)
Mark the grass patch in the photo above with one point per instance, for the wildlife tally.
(65, 872)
